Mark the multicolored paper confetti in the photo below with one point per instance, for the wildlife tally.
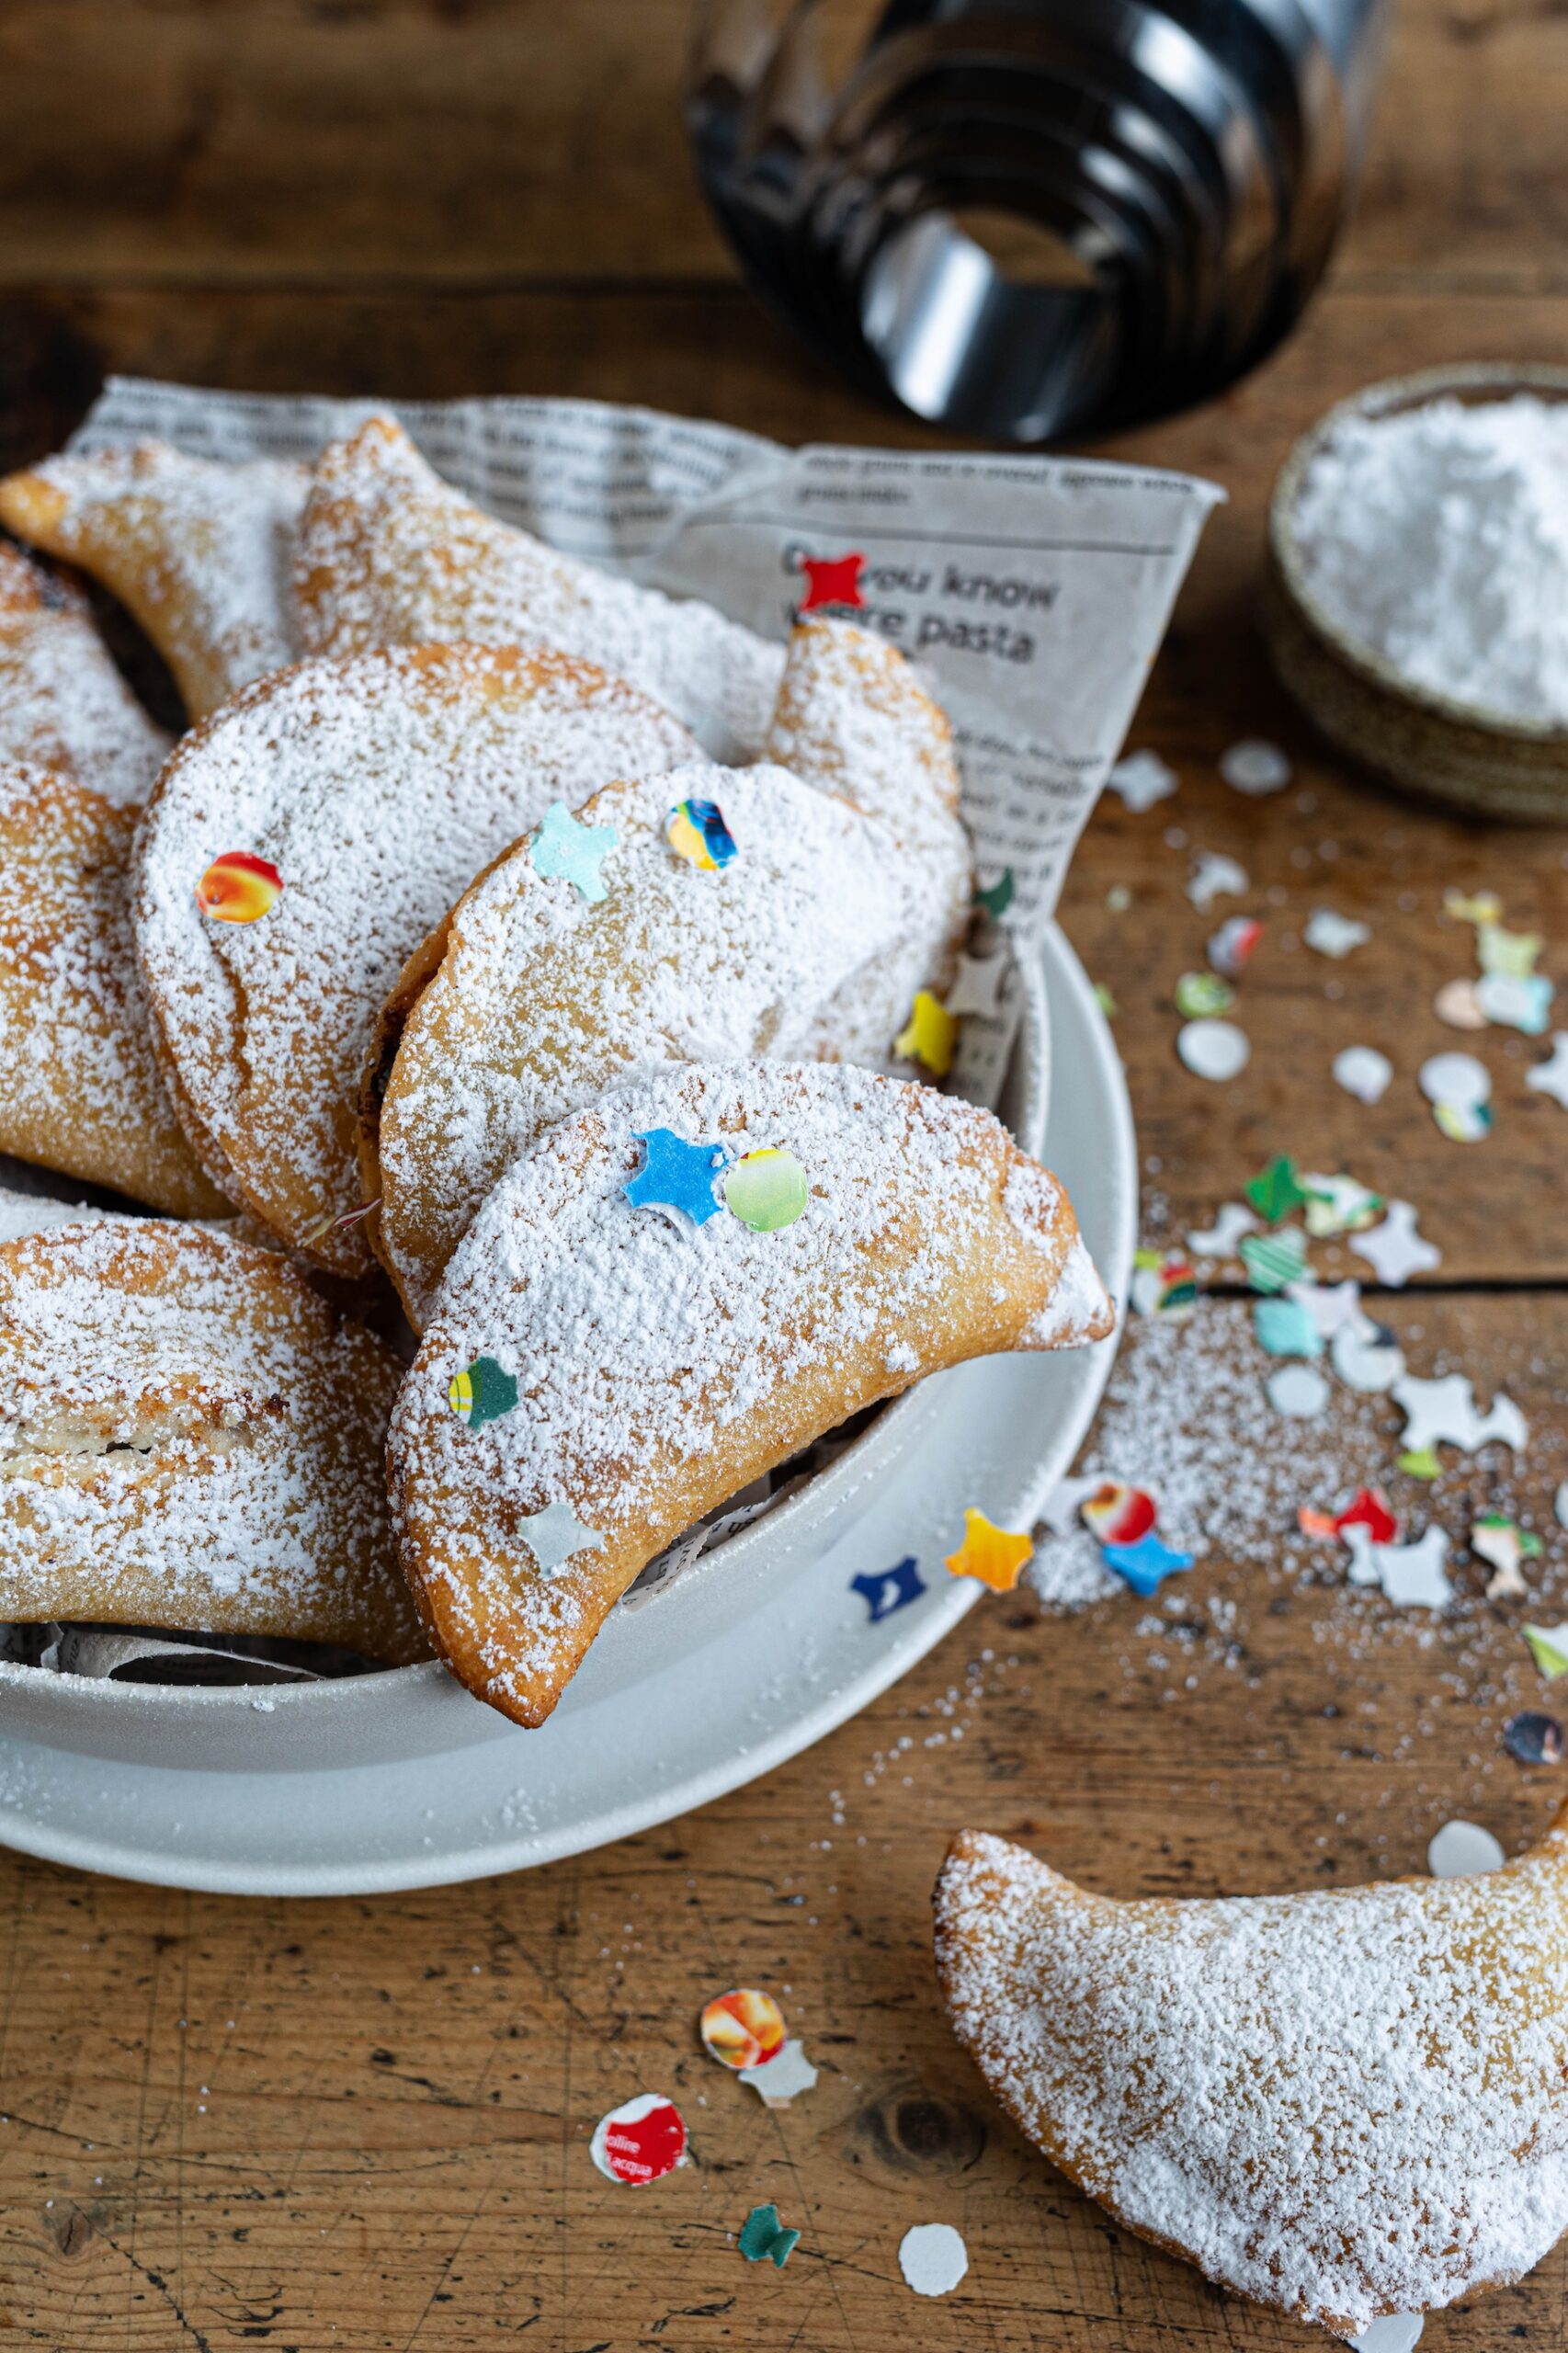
(1116, 1514)
(767, 1189)
(994, 1557)
(743, 2027)
(1503, 1544)
(556, 1535)
(1277, 1190)
(676, 1175)
(1163, 1285)
(1549, 1648)
(763, 2239)
(639, 2142)
(481, 1393)
(1272, 1260)
(1201, 995)
(1146, 1564)
(239, 888)
(1231, 948)
(1533, 1739)
(1214, 1050)
(695, 831)
(929, 1036)
(1338, 1205)
(1394, 1250)
(886, 1590)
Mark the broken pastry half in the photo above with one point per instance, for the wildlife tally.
(191, 1439)
(64, 705)
(672, 1293)
(201, 552)
(300, 846)
(1344, 2104)
(80, 1088)
(390, 554)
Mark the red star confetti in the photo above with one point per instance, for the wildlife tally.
(641, 2142)
(832, 580)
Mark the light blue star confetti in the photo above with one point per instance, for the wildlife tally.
(1286, 1328)
(1146, 1564)
(563, 849)
(890, 1589)
(555, 1534)
(676, 1175)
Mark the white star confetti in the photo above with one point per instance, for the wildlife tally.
(1364, 1073)
(555, 1534)
(978, 985)
(1214, 1050)
(1332, 935)
(1232, 1220)
(1394, 1250)
(1445, 1413)
(1338, 1205)
(783, 2077)
(1254, 768)
(1332, 1306)
(1142, 779)
(1411, 1575)
(1215, 877)
(1550, 1077)
(1060, 1510)
(1462, 1851)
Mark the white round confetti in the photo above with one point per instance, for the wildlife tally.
(1394, 2333)
(1364, 1073)
(1255, 767)
(1364, 1360)
(1299, 1392)
(1461, 1849)
(1216, 1050)
(933, 2258)
(1458, 1079)
(1455, 1002)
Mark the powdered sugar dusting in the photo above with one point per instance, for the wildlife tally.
(189, 1437)
(657, 1361)
(809, 943)
(377, 786)
(201, 552)
(1344, 2103)
(390, 554)
(62, 703)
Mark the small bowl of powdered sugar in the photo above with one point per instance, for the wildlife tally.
(1417, 596)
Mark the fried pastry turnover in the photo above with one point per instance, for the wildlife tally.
(191, 1438)
(64, 705)
(201, 553)
(1344, 2104)
(390, 554)
(80, 1088)
(300, 846)
(675, 1292)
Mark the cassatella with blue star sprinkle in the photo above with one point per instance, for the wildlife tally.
(676, 1175)
(574, 852)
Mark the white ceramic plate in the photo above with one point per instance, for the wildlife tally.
(754, 1661)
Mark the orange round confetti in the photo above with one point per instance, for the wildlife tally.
(238, 887)
(743, 2028)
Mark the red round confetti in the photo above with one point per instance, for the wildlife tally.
(641, 2142)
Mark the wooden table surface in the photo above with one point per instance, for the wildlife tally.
(365, 2124)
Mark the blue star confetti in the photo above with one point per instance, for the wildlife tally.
(1146, 1564)
(676, 1175)
(764, 2238)
(890, 1589)
(574, 852)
